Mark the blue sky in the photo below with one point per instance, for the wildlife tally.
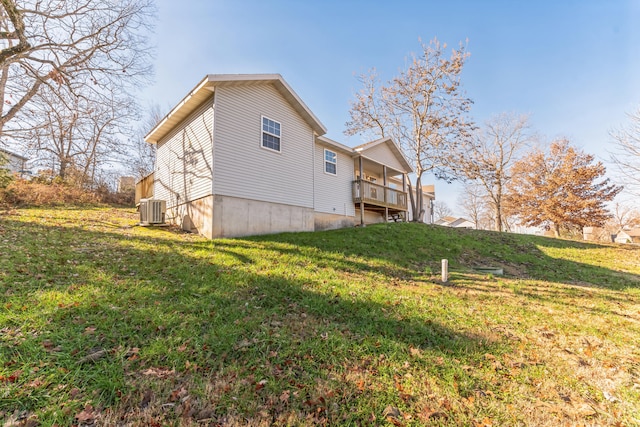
(573, 66)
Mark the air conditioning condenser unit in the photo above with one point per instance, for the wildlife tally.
(152, 211)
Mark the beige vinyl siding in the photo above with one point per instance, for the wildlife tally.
(243, 168)
(383, 155)
(333, 193)
(185, 158)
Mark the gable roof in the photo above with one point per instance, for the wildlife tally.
(12, 154)
(363, 148)
(450, 221)
(634, 232)
(206, 87)
(335, 144)
(445, 220)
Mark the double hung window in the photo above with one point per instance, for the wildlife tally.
(271, 133)
(330, 162)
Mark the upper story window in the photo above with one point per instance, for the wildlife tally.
(330, 162)
(270, 134)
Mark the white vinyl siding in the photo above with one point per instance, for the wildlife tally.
(382, 154)
(185, 158)
(333, 193)
(13, 163)
(242, 167)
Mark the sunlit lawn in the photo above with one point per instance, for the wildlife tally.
(103, 322)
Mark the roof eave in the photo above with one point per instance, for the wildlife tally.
(335, 144)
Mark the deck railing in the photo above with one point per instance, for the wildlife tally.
(379, 195)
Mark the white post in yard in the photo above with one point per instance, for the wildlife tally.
(445, 270)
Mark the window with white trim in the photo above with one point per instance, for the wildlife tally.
(330, 162)
(270, 134)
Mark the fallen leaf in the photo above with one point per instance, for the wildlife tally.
(484, 423)
(89, 330)
(284, 397)
(584, 410)
(205, 414)
(406, 397)
(391, 412)
(146, 398)
(11, 378)
(178, 394)
(427, 414)
(87, 415)
(395, 421)
(37, 383)
(159, 372)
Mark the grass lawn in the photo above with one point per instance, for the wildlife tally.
(106, 323)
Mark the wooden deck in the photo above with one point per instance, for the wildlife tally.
(376, 196)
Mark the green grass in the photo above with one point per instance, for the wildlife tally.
(108, 323)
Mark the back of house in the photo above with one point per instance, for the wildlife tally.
(243, 155)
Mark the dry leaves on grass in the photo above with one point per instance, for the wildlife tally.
(87, 416)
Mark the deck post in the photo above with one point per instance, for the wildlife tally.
(384, 182)
(361, 191)
(404, 189)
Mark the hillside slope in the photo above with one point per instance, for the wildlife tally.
(107, 323)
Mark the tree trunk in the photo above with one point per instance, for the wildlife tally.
(556, 230)
(417, 202)
(498, 206)
(498, 218)
(63, 168)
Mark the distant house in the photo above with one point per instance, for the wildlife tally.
(15, 162)
(428, 197)
(125, 184)
(597, 234)
(243, 154)
(449, 221)
(628, 236)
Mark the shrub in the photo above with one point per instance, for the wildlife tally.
(5, 174)
(21, 192)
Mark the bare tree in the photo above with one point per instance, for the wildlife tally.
(472, 201)
(88, 48)
(76, 135)
(441, 210)
(626, 153)
(144, 154)
(498, 145)
(624, 215)
(423, 109)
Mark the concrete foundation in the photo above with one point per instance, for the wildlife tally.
(224, 216)
(194, 216)
(325, 221)
(235, 217)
